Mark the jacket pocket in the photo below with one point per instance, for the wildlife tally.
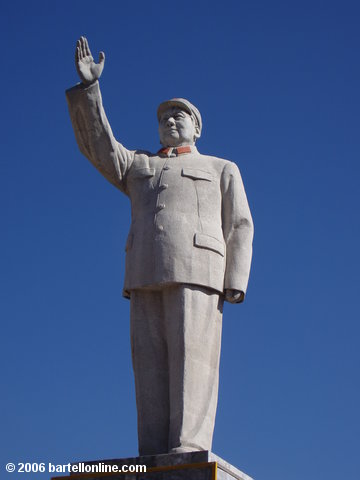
(202, 240)
(196, 174)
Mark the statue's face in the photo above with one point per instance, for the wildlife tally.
(177, 127)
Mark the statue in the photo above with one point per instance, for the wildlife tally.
(189, 248)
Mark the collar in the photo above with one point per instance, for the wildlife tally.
(168, 151)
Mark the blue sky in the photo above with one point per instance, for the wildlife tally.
(277, 84)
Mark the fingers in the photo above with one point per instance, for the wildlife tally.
(78, 55)
(86, 46)
(80, 52)
(101, 57)
(82, 48)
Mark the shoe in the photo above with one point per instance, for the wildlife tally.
(183, 450)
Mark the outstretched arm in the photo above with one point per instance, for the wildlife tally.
(91, 127)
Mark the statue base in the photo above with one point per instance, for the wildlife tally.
(201, 465)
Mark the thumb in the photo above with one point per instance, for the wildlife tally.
(101, 57)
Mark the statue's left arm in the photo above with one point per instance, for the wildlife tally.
(238, 233)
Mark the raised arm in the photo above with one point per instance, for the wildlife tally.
(91, 127)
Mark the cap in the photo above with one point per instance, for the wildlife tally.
(183, 104)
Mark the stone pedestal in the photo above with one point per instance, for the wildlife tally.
(176, 466)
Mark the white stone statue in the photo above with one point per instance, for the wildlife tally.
(189, 248)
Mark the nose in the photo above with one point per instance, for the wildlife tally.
(170, 122)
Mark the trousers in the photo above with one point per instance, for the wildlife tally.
(175, 342)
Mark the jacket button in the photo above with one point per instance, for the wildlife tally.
(166, 167)
(161, 228)
(161, 206)
(164, 186)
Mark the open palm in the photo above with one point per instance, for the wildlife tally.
(88, 70)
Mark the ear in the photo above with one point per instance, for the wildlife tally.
(197, 132)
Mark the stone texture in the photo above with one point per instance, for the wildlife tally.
(190, 241)
(189, 374)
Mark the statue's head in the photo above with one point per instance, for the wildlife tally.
(179, 123)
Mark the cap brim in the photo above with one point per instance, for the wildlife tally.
(172, 103)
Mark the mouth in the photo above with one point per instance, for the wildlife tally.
(172, 132)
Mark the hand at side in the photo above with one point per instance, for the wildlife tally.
(234, 296)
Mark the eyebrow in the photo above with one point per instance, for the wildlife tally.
(173, 114)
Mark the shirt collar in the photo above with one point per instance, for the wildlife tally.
(168, 151)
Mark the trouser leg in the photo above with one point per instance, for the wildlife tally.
(176, 338)
(149, 356)
(194, 322)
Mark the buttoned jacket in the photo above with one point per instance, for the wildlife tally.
(190, 219)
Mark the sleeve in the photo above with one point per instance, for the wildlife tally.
(237, 227)
(94, 135)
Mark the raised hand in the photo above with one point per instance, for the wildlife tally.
(88, 70)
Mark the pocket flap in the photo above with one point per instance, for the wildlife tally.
(196, 174)
(144, 172)
(211, 243)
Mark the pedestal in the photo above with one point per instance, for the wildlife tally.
(176, 466)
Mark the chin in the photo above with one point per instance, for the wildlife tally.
(171, 142)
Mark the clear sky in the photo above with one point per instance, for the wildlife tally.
(277, 84)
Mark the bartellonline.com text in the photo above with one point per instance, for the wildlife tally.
(100, 467)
